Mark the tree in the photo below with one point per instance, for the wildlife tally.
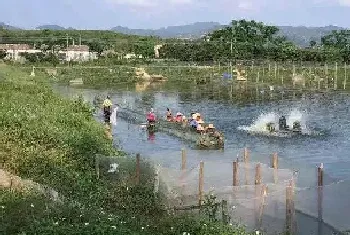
(2, 54)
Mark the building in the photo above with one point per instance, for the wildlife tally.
(78, 53)
(132, 56)
(156, 50)
(15, 51)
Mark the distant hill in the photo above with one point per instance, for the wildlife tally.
(51, 27)
(9, 27)
(184, 31)
(300, 35)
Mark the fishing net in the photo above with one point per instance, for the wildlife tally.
(259, 196)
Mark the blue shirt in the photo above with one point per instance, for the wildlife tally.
(194, 123)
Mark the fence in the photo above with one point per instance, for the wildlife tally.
(262, 197)
(307, 75)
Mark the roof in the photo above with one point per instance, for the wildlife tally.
(14, 47)
(78, 48)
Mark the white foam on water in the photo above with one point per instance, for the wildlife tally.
(259, 125)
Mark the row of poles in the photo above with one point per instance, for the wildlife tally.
(262, 193)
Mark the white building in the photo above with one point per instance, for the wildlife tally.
(78, 53)
(132, 56)
(156, 50)
(15, 51)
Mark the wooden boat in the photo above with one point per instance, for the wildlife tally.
(180, 130)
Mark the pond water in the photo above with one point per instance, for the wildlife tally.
(326, 112)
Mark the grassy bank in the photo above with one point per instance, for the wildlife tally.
(54, 142)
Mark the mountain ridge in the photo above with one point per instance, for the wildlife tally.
(300, 35)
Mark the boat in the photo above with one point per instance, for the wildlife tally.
(180, 130)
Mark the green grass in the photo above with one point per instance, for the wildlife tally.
(54, 142)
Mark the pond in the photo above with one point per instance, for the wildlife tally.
(327, 112)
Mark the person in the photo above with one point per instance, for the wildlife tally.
(107, 109)
(296, 126)
(151, 117)
(193, 122)
(178, 117)
(282, 123)
(169, 116)
(270, 126)
(210, 129)
(200, 127)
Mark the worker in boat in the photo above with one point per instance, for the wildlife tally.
(169, 116)
(199, 118)
(178, 117)
(107, 109)
(282, 123)
(210, 129)
(151, 117)
(270, 126)
(193, 122)
(200, 126)
(296, 126)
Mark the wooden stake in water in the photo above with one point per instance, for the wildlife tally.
(290, 208)
(275, 71)
(320, 196)
(201, 183)
(224, 211)
(274, 161)
(183, 159)
(335, 85)
(258, 174)
(235, 173)
(345, 76)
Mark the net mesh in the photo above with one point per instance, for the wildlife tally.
(262, 205)
(258, 196)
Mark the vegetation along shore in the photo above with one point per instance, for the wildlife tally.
(54, 141)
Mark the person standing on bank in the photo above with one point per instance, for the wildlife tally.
(107, 109)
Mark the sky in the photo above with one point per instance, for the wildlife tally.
(153, 14)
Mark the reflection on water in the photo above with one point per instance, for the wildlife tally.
(326, 112)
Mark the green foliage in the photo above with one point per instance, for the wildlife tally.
(2, 54)
(23, 213)
(54, 142)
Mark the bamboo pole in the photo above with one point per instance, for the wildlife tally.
(274, 163)
(275, 167)
(183, 159)
(335, 82)
(320, 197)
(201, 183)
(224, 211)
(275, 71)
(290, 208)
(258, 174)
(345, 76)
(246, 155)
(235, 173)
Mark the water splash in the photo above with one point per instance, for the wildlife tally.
(260, 124)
